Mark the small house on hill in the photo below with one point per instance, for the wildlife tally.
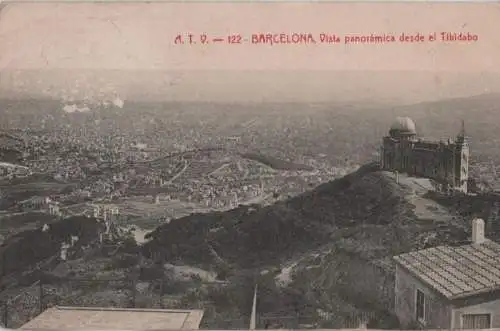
(450, 287)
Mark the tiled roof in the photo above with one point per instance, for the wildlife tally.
(456, 272)
(63, 318)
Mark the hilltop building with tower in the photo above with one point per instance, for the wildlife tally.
(446, 162)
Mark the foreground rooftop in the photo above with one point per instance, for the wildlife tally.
(456, 272)
(83, 318)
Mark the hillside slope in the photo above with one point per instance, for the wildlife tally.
(329, 249)
(251, 236)
(25, 249)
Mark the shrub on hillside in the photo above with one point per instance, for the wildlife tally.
(124, 261)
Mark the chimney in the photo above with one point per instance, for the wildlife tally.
(478, 231)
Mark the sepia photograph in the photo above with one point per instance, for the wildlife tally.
(223, 166)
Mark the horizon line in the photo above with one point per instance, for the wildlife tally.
(261, 70)
(254, 1)
(25, 96)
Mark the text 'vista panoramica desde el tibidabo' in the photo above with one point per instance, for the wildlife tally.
(324, 38)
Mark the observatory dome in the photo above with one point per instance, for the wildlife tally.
(403, 126)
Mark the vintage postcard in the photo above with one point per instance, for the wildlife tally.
(251, 165)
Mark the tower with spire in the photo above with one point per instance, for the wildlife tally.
(462, 154)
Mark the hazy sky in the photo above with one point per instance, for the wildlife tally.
(71, 50)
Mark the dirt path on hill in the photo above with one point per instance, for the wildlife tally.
(413, 190)
(425, 208)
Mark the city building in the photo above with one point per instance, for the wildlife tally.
(54, 208)
(450, 287)
(84, 318)
(446, 162)
(106, 211)
(36, 203)
(13, 170)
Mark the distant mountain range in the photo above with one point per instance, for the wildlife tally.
(485, 102)
(302, 86)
